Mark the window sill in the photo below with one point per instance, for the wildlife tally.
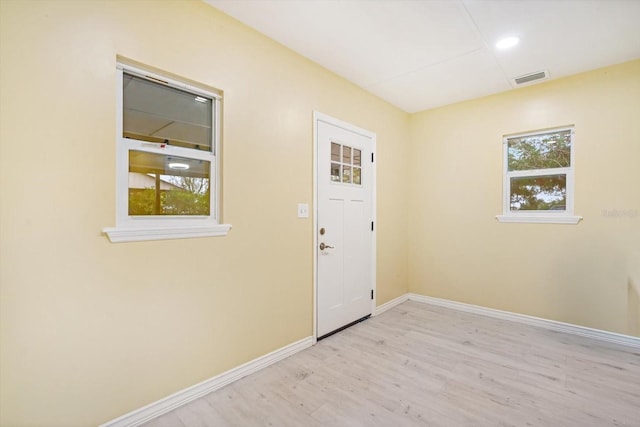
(118, 235)
(540, 219)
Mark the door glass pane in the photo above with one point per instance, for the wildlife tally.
(159, 113)
(335, 152)
(346, 154)
(544, 193)
(543, 151)
(356, 175)
(346, 174)
(168, 185)
(335, 172)
(357, 161)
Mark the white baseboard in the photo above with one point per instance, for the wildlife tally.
(553, 325)
(390, 304)
(169, 403)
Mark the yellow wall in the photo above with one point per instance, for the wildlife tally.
(91, 330)
(571, 273)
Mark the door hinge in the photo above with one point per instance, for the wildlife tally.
(371, 225)
(371, 157)
(371, 293)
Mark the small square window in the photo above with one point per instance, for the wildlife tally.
(346, 164)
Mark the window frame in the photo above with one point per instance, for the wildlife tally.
(159, 227)
(341, 164)
(539, 216)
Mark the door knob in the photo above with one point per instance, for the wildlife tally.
(323, 247)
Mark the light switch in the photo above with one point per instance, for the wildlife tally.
(303, 210)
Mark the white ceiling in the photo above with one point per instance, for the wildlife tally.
(420, 54)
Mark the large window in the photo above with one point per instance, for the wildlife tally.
(167, 158)
(538, 177)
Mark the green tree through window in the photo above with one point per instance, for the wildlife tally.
(537, 170)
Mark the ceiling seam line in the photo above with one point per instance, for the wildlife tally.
(484, 41)
(424, 67)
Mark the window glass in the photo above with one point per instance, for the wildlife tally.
(543, 193)
(167, 159)
(168, 185)
(357, 176)
(346, 154)
(346, 164)
(335, 152)
(357, 157)
(346, 174)
(543, 151)
(538, 180)
(335, 172)
(159, 113)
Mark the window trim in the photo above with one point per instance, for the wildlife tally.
(341, 164)
(542, 217)
(129, 228)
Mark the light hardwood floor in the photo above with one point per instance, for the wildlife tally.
(420, 365)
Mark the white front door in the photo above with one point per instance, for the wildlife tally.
(345, 223)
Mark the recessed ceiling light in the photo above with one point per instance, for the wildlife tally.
(507, 42)
(201, 99)
(181, 166)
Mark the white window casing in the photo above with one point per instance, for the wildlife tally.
(159, 227)
(561, 216)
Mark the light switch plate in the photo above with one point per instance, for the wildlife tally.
(303, 210)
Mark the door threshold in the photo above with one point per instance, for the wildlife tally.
(342, 328)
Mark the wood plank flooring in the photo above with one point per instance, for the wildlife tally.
(420, 365)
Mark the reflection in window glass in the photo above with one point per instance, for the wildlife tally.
(346, 155)
(335, 172)
(156, 112)
(357, 157)
(168, 185)
(335, 152)
(542, 193)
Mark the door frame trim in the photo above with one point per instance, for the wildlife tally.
(321, 117)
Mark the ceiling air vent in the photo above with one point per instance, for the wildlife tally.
(531, 77)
